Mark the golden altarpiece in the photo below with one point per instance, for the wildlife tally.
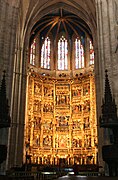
(61, 105)
(61, 120)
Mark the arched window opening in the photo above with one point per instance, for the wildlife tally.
(45, 54)
(62, 53)
(79, 54)
(33, 53)
(91, 53)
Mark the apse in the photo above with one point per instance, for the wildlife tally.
(61, 122)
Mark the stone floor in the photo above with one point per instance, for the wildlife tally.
(86, 178)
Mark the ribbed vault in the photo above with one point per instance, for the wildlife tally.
(72, 15)
(59, 21)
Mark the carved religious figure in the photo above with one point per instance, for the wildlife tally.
(37, 89)
(47, 141)
(37, 122)
(48, 91)
(37, 106)
(62, 120)
(48, 107)
(86, 89)
(86, 123)
(76, 92)
(86, 106)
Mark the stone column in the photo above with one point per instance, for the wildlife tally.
(16, 133)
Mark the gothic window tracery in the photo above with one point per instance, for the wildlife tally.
(33, 52)
(45, 53)
(91, 53)
(79, 54)
(62, 53)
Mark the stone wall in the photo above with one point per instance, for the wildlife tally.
(8, 28)
(107, 59)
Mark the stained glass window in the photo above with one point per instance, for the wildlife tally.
(62, 54)
(79, 54)
(91, 53)
(33, 52)
(45, 54)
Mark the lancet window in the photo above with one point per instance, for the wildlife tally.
(45, 54)
(62, 53)
(79, 54)
(33, 52)
(91, 53)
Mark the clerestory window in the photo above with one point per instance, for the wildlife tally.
(79, 54)
(62, 53)
(45, 54)
(33, 52)
(91, 53)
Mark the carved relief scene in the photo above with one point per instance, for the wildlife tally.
(37, 122)
(77, 142)
(77, 124)
(86, 89)
(47, 126)
(47, 141)
(62, 141)
(62, 123)
(62, 120)
(63, 95)
(37, 89)
(48, 107)
(76, 91)
(37, 106)
(48, 91)
(77, 109)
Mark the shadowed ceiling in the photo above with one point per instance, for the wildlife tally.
(53, 16)
(60, 21)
